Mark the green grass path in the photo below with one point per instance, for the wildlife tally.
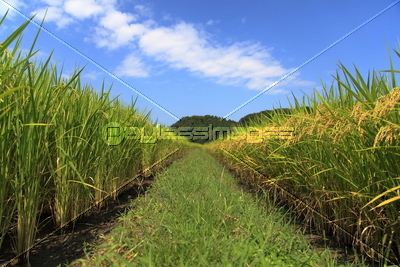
(194, 216)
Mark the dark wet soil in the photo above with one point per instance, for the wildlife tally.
(62, 248)
(57, 248)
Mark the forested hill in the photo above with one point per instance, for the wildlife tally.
(203, 121)
(215, 121)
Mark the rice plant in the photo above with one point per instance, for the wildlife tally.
(54, 158)
(341, 169)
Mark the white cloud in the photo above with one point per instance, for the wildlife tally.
(212, 22)
(53, 2)
(82, 9)
(93, 75)
(53, 14)
(144, 10)
(184, 47)
(181, 46)
(10, 5)
(64, 13)
(114, 30)
(167, 17)
(291, 82)
(114, 19)
(132, 66)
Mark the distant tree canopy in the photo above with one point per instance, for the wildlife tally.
(203, 121)
(215, 121)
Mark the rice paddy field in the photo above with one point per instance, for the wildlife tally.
(53, 150)
(340, 168)
(339, 171)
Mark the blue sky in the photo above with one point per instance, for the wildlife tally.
(208, 57)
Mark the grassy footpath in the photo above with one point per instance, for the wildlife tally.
(194, 216)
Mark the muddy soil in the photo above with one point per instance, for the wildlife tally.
(62, 248)
(67, 245)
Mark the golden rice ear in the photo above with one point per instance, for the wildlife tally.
(360, 114)
(387, 103)
(387, 134)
